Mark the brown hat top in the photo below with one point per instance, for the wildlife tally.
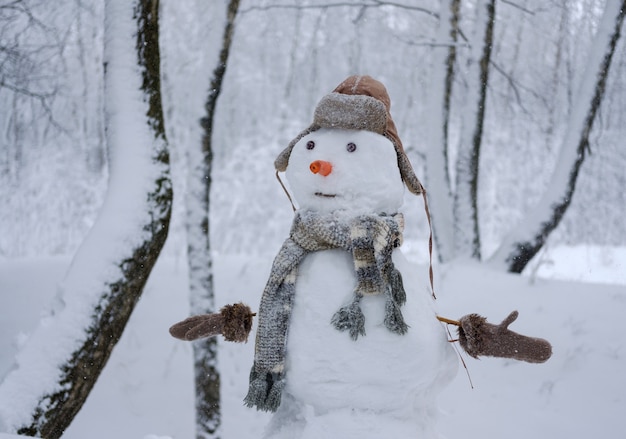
(368, 86)
(358, 103)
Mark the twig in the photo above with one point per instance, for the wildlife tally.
(467, 372)
(373, 3)
(449, 321)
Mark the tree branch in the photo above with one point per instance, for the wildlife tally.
(370, 4)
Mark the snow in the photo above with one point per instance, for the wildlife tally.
(578, 393)
(380, 384)
(147, 386)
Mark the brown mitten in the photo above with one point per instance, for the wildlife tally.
(234, 322)
(478, 337)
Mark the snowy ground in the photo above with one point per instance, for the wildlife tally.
(145, 391)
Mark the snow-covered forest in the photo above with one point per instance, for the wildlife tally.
(285, 55)
(64, 172)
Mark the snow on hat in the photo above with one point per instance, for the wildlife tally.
(358, 103)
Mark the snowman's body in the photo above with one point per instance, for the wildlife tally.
(383, 384)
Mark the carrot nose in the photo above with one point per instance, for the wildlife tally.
(321, 167)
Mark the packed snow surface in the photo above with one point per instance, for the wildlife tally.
(147, 386)
(372, 387)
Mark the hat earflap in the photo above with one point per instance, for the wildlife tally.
(282, 161)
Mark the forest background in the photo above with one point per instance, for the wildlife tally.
(285, 55)
(541, 57)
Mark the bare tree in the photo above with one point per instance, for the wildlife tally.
(25, 80)
(437, 151)
(110, 269)
(202, 295)
(466, 230)
(457, 228)
(524, 241)
(18, 66)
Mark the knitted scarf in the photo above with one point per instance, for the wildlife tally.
(370, 239)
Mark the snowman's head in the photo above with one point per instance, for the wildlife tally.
(345, 170)
(321, 160)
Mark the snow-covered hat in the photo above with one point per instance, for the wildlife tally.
(358, 103)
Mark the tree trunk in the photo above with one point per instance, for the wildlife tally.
(202, 295)
(439, 96)
(521, 244)
(467, 233)
(64, 357)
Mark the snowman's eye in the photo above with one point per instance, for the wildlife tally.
(351, 147)
(310, 144)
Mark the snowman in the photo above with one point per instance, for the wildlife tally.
(347, 343)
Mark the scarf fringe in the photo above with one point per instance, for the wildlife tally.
(350, 318)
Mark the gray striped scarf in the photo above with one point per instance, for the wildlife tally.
(371, 240)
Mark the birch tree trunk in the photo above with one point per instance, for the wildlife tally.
(202, 295)
(60, 363)
(523, 242)
(437, 158)
(467, 233)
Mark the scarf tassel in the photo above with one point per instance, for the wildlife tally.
(350, 318)
(265, 390)
(396, 297)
